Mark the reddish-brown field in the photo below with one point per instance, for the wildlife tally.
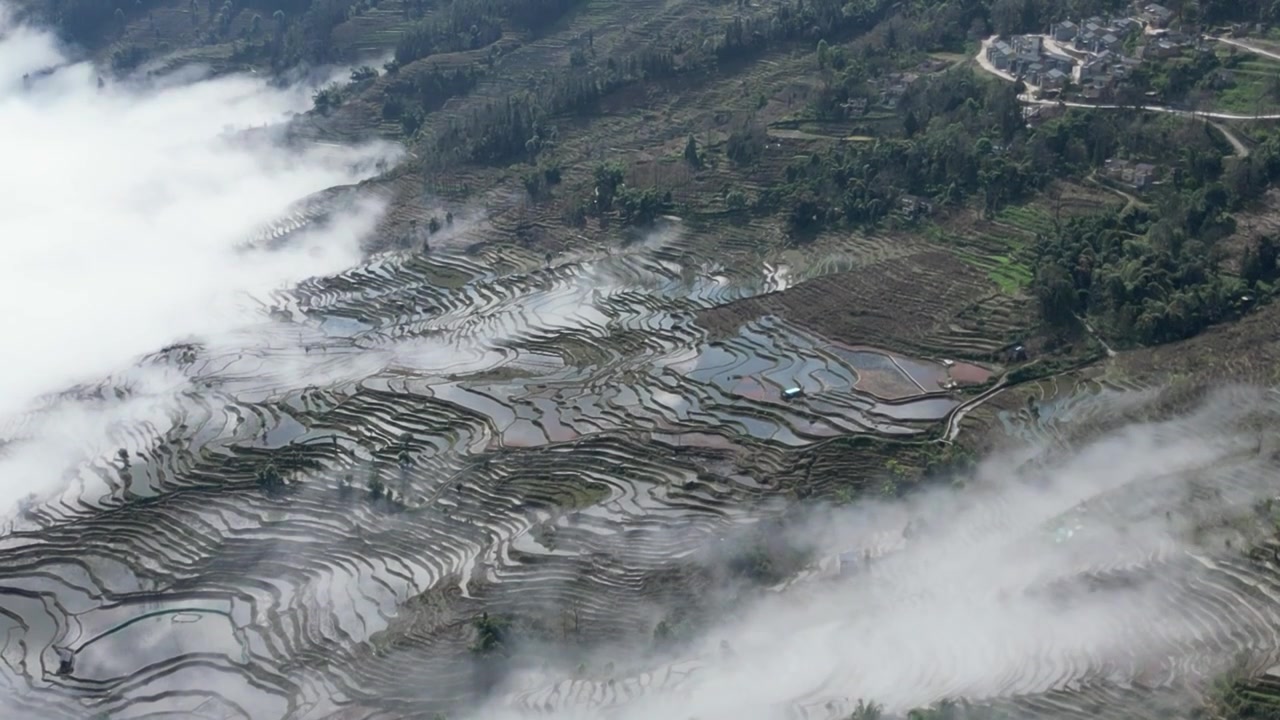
(924, 303)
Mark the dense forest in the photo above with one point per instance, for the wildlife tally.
(474, 24)
(299, 30)
(1221, 11)
(88, 21)
(1167, 266)
(1154, 275)
(1151, 274)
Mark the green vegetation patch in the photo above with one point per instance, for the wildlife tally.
(1028, 218)
(1012, 277)
(1001, 250)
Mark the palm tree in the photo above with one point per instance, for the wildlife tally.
(490, 634)
(278, 17)
(268, 477)
(867, 711)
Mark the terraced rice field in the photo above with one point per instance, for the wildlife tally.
(219, 552)
(919, 298)
(1249, 91)
(1087, 593)
(305, 518)
(1002, 249)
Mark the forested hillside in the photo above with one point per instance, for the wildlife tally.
(1151, 274)
(648, 276)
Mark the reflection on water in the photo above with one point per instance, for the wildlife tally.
(345, 327)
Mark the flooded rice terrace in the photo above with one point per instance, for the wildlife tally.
(303, 519)
(218, 550)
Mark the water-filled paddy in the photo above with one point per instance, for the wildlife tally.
(582, 397)
(153, 638)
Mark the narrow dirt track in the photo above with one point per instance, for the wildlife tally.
(1028, 98)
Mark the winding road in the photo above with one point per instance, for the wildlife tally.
(1245, 46)
(1241, 150)
(1029, 98)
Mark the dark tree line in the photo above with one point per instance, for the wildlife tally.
(1245, 179)
(1153, 275)
(1148, 291)
(408, 98)
(520, 128)
(452, 31)
(969, 142)
(87, 22)
(473, 24)
(812, 20)
(90, 22)
(1258, 266)
(309, 38)
(1224, 11)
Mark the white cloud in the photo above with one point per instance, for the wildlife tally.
(124, 207)
(981, 601)
(121, 213)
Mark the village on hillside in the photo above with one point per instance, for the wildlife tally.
(1091, 58)
(1142, 58)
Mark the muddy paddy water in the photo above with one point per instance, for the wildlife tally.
(461, 378)
(770, 353)
(733, 387)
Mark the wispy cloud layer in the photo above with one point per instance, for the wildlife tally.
(1088, 569)
(126, 206)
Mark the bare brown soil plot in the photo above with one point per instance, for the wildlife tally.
(907, 303)
(1262, 219)
(1247, 351)
(1068, 199)
(886, 384)
(967, 374)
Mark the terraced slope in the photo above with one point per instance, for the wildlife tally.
(306, 518)
(1085, 593)
(541, 437)
(924, 300)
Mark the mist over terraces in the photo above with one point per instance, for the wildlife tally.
(538, 440)
(584, 360)
(449, 478)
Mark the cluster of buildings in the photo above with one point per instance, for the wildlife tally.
(894, 85)
(914, 206)
(1092, 54)
(1137, 175)
(1096, 35)
(1028, 57)
(890, 88)
(1157, 16)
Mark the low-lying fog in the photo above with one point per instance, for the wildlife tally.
(125, 211)
(125, 207)
(979, 598)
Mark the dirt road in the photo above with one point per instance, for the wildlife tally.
(1029, 98)
(1246, 46)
